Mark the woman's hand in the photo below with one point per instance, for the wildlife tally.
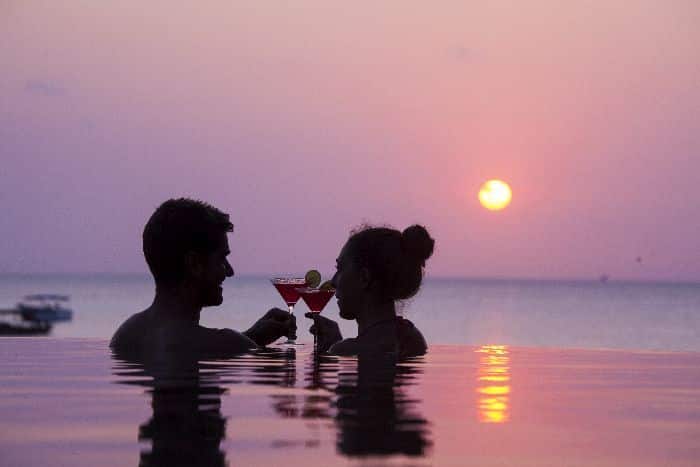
(273, 325)
(326, 331)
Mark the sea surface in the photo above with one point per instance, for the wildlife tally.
(519, 373)
(554, 314)
(71, 402)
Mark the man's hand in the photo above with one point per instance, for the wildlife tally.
(326, 331)
(273, 325)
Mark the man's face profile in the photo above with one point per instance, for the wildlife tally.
(213, 269)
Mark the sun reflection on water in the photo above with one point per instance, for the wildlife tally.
(493, 388)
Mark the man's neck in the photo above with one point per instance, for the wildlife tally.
(176, 304)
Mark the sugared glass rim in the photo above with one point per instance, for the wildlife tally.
(288, 280)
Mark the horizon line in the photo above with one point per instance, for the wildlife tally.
(256, 275)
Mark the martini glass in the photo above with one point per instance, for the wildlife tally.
(287, 287)
(315, 299)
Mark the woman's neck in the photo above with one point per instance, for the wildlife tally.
(375, 313)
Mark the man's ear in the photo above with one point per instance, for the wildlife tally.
(193, 264)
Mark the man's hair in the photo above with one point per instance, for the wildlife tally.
(177, 227)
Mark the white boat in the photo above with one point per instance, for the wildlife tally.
(45, 308)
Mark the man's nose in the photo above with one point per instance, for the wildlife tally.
(229, 269)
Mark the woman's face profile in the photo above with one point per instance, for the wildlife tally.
(349, 285)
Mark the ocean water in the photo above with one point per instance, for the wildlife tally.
(70, 402)
(589, 315)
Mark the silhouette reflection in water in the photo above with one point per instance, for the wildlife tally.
(493, 384)
(320, 378)
(187, 426)
(364, 401)
(373, 414)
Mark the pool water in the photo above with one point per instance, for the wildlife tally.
(71, 402)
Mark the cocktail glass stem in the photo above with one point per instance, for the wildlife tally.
(291, 339)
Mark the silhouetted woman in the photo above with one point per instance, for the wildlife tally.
(377, 267)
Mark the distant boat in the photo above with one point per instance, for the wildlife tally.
(35, 314)
(604, 278)
(45, 308)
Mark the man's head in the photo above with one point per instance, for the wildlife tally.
(185, 242)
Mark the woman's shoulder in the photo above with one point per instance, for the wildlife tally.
(401, 337)
(362, 345)
(411, 340)
(346, 347)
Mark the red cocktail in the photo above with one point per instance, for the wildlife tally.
(287, 288)
(316, 299)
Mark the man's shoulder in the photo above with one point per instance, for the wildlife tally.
(129, 331)
(139, 333)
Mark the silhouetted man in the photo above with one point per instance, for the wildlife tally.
(186, 247)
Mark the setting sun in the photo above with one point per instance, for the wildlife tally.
(495, 195)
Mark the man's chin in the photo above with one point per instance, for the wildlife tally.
(214, 301)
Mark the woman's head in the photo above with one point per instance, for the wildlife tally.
(381, 264)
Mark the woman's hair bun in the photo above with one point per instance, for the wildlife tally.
(417, 244)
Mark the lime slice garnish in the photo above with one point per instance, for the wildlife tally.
(328, 285)
(313, 278)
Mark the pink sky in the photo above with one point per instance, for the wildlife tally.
(307, 119)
